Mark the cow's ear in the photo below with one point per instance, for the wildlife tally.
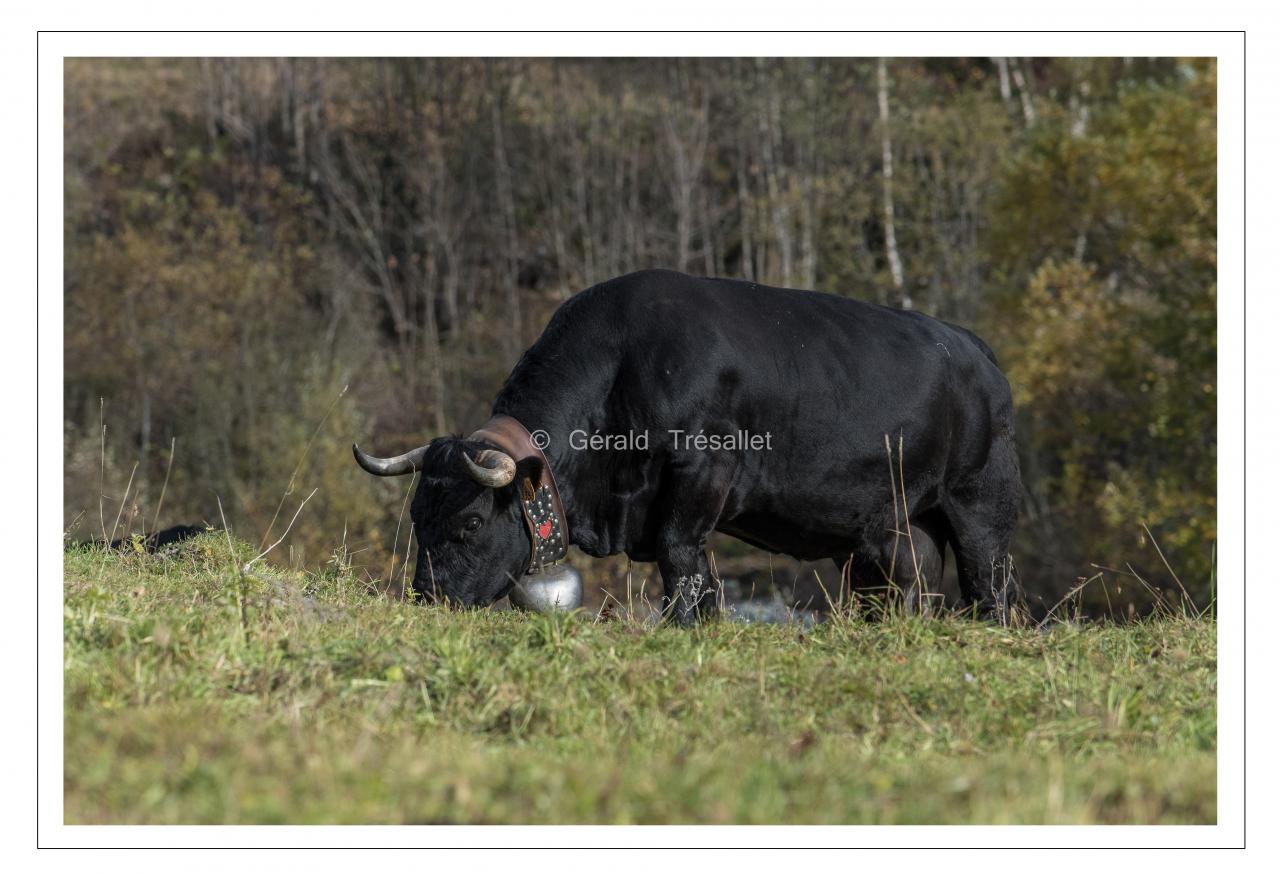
(529, 470)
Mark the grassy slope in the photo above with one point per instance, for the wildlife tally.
(348, 708)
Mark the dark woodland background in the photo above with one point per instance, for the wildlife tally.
(246, 237)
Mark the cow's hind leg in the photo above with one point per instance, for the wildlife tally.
(919, 563)
(911, 577)
(982, 512)
(692, 504)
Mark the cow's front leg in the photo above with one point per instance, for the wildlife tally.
(690, 593)
(692, 506)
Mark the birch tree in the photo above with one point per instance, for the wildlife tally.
(886, 152)
(1024, 93)
(510, 241)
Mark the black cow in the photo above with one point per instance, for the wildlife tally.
(816, 389)
(157, 540)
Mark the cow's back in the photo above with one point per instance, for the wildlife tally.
(760, 356)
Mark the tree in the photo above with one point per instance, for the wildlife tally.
(1112, 345)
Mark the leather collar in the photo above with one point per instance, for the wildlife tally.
(539, 501)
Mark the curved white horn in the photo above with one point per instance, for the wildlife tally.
(491, 468)
(397, 465)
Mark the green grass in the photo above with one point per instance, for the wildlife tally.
(306, 700)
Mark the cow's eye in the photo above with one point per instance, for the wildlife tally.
(473, 523)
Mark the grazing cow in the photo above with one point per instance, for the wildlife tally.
(658, 407)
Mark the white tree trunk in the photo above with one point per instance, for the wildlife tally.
(886, 147)
(1002, 66)
(686, 134)
(1028, 106)
(770, 142)
(1080, 110)
(745, 216)
(506, 203)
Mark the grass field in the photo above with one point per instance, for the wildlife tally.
(194, 698)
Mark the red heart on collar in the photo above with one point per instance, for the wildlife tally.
(544, 530)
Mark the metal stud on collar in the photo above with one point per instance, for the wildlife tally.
(549, 547)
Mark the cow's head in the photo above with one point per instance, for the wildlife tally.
(472, 542)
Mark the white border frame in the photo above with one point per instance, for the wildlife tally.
(1228, 47)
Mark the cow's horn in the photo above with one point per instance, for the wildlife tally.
(491, 468)
(394, 466)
